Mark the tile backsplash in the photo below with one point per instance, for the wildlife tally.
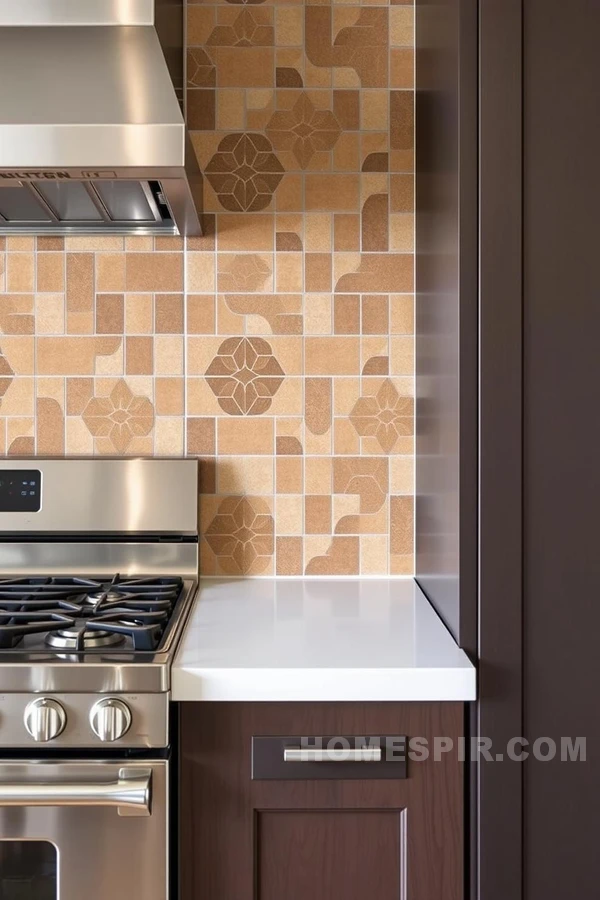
(278, 348)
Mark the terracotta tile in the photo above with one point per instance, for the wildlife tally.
(20, 272)
(317, 232)
(374, 110)
(289, 272)
(402, 193)
(346, 314)
(79, 392)
(200, 313)
(367, 477)
(401, 525)
(342, 557)
(289, 555)
(168, 313)
(379, 272)
(200, 23)
(331, 192)
(244, 66)
(402, 68)
(317, 272)
(20, 243)
(139, 355)
(240, 435)
(50, 243)
(318, 395)
(50, 272)
(318, 475)
(375, 314)
(346, 232)
(231, 109)
(50, 430)
(346, 107)
(110, 272)
(201, 109)
(139, 243)
(110, 314)
(401, 120)
(201, 439)
(139, 314)
(71, 355)
(289, 475)
(18, 355)
(317, 514)
(375, 224)
(331, 355)
(169, 397)
(154, 272)
(244, 232)
(17, 314)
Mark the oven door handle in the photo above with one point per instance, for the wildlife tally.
(131, 794)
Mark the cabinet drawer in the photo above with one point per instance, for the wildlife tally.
(302, 758)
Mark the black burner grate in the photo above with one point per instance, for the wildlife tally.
(71, 613)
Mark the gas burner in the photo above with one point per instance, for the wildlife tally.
(83, 614)
(78, 637)
(101, 597)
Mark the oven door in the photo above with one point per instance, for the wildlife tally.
(84, 830)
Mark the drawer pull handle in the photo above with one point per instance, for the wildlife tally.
(334, 754)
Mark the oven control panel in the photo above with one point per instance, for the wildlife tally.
(84, 720)
(20, 490)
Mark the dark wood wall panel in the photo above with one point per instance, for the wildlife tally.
(562, 469)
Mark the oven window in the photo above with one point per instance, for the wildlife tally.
(28, 870)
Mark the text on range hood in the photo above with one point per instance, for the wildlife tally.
(92, 135)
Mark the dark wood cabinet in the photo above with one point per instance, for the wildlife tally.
(337, 837)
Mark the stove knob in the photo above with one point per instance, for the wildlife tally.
(45, 719)
(110, 719)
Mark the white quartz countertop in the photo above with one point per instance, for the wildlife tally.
(317, 639)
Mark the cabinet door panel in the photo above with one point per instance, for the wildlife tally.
(335, 839)
(348, 854)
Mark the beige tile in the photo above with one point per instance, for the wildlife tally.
(402, 474)
(139, 314)
(49, 313)
(168, 436)
(318, 475)
(247, 474)
(200, 273)
(200, 313)
(288, 514)
(168, 355)
(373, 555)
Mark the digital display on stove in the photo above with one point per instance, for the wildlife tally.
(20, 490)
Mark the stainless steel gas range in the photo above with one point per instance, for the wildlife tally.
(98, 570)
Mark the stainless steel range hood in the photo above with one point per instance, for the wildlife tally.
(92, 135)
